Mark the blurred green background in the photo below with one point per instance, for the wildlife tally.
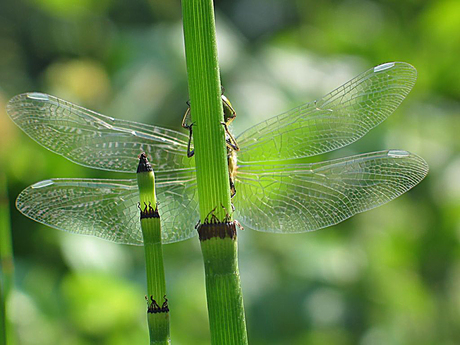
(388, 276)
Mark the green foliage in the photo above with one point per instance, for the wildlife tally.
(6, 264)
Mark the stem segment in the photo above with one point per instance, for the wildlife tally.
(217, 232)
(206, 107)
(158, 310)
(6, 263)
(223, 286)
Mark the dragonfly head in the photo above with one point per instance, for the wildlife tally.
(229, 112)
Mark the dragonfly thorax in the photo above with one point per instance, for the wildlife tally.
(232, 168)
(232, 164)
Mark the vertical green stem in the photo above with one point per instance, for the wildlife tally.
(223, 287)
(206, 107)
(3, 327)
(6, 262)
(158, 310)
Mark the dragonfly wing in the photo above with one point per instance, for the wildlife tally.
(338, 119)
(102, 208)
(306, 197)
(109, 208)
(94, 140)
(177, 196)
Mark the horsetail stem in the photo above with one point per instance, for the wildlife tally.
(157, 310)
(223, 287)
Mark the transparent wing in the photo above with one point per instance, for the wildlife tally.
(177, 196)
(94, 140)
(109, 208)
(305, 197)
(101, 208)
(338, 119)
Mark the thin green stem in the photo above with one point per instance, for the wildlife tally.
(3, 327)
(218, 238)
(156, 285)
(206, 107)
(158, 310)
(6, 262)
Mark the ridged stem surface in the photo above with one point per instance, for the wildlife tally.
(206, 107)
(223, 287)
(158, 310)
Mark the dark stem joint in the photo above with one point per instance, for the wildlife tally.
(148, 211)
(154, 308)
(222, 230)
(144, 165)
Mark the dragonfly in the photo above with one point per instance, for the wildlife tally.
(274, 195)
(229, 116)
(230, 141)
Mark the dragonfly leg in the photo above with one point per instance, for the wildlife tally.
(232, 188)
(186, 116)
(190, 152)
(231, 141)
(185, 125)
(239, 224)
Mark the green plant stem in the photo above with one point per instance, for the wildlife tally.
(6, 262)
(223, 287)
(3, 327)
(158, 310)
(157, 315)
(156, 285)
(206, 107)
